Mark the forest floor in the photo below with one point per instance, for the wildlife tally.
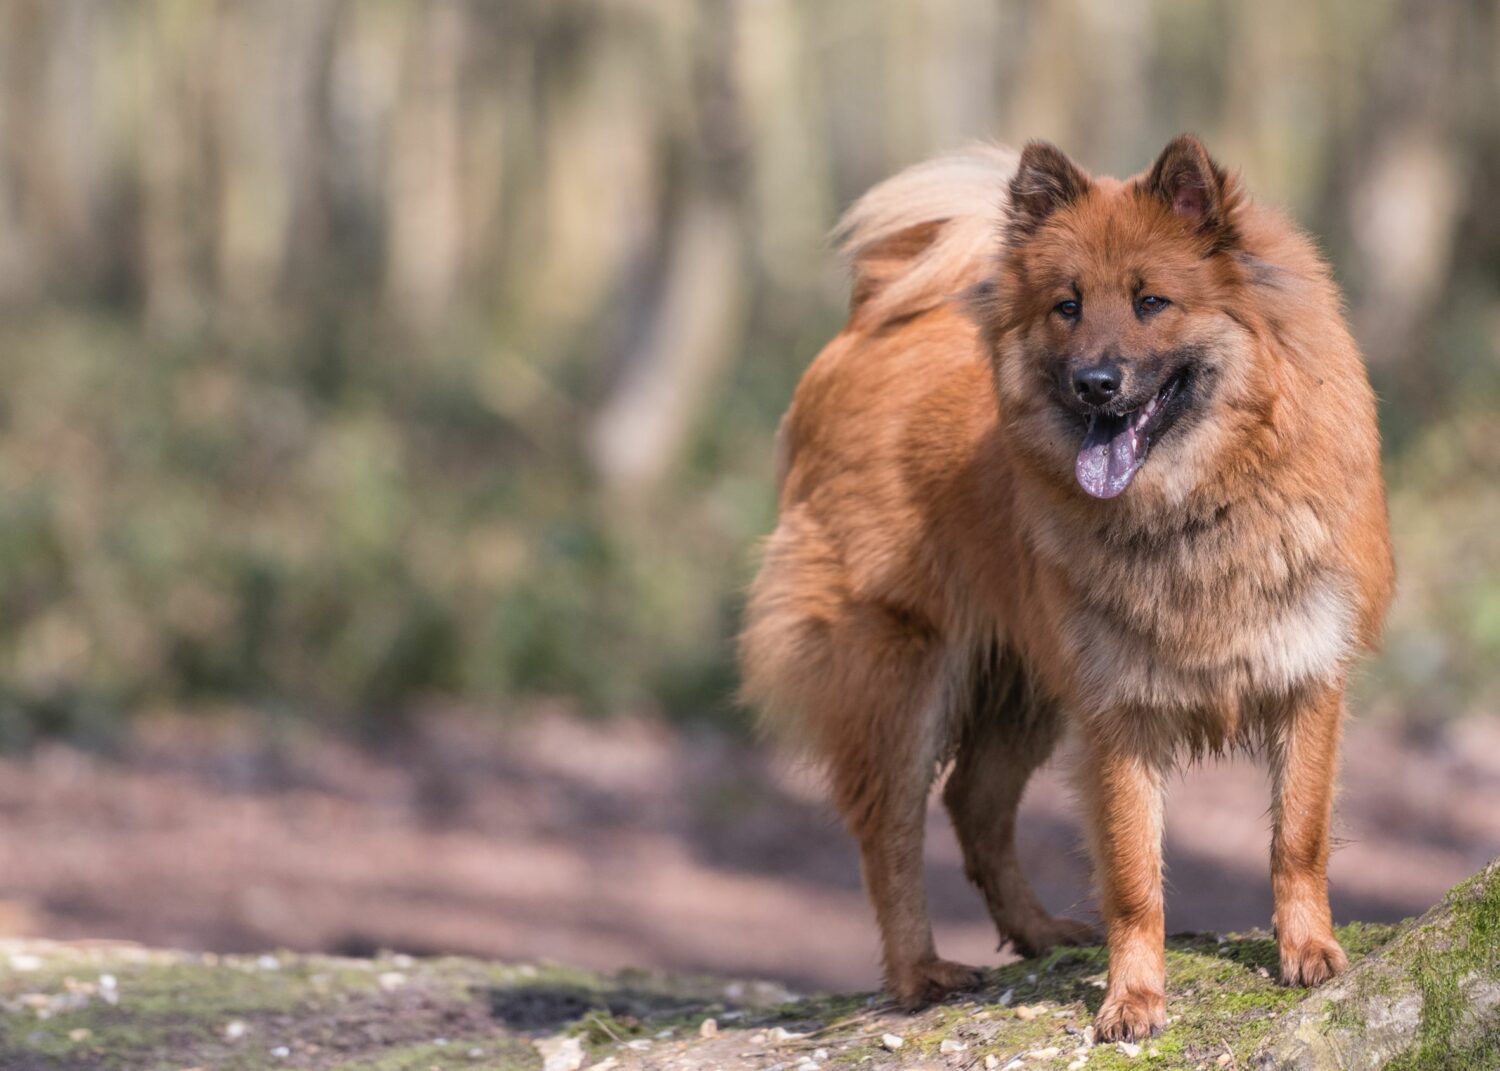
(626, 843)
(97, 1006)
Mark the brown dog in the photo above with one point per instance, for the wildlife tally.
(1126, 486)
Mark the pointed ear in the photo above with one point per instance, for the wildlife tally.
(1188, 181)
(1045, 180)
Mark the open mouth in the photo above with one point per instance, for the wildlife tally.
(1115, 445)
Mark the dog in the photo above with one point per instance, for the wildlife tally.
(1092, 460)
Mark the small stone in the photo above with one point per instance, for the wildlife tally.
(1025, 1013)
(24, 961)
(1007, 997)
(391, 980)
(951, 1045)
(235, 1029)
(1014, 1065)
(281, 1052)
(891, 1042)
(991, 1062)
(1130, 1049)
(638, 1045)
(1049, 1053)
(1088, 1036)
(820, 1055)
(560, 1053)
(780, 1036)
(709, 1028)
(268, 963)
(1078, 1063)
(1222, 1060)
(83, 1033)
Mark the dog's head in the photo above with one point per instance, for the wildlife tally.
(1114, 322)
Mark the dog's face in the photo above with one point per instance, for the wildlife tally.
(1119, 358)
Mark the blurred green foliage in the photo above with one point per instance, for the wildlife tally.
(193, 521)
(360, 355)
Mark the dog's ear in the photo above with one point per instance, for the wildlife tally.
(1188, 181)
(1045, 180)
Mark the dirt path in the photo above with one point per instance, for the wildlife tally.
(109, 1008)
(627, 844)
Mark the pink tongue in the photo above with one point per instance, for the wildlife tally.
(1107, 460)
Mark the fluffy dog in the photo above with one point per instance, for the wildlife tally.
(1090, 457)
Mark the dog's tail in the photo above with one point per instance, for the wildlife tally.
(925, 234)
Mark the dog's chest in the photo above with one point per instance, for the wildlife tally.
(1219, 614)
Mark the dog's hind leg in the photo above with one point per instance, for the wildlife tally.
(865, 686)
(1005, 739)
(881, 774)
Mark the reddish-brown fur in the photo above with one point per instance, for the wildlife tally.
(939, 588)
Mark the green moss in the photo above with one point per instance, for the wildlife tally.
(495, 1056)
(1445, 956)
(172, 1010)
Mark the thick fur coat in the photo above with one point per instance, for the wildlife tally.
(1090, 457)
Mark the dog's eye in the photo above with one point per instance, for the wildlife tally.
(1070, 309)
(1151, 303)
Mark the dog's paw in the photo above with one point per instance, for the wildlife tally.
(1049, 931)
(1312, 961)
(1130, 1016)
(930, 980)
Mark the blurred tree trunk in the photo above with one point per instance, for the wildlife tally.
(423, 196)
(1400, 185)
(690, 329)
(174, 67)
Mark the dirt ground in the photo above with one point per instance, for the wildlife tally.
(628, 843)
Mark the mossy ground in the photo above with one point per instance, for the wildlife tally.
(109, 1007)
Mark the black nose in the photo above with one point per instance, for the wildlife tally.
(1096, 385)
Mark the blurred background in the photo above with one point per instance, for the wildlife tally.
(385, 432)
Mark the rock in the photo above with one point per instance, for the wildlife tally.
(1426, 995)
(1431, 995)
(561, 1053)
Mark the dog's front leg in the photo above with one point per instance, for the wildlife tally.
(1303, 762)
(1123, 793)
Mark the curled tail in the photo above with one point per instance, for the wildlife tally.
(924, 235)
